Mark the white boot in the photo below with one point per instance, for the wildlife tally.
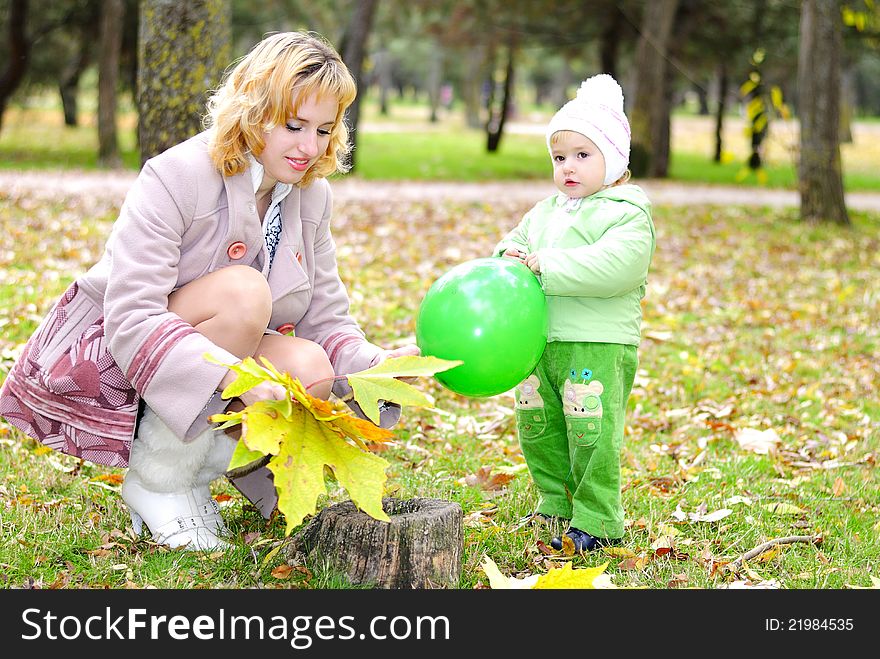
(215, 465)
(160, 488)
(174, 519)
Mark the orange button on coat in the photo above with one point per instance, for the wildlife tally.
(236, 250)
(286, 328)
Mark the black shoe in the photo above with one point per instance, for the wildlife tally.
(583, 541)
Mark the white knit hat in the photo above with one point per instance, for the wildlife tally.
(597, 113)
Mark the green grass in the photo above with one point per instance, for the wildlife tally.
(751, 321)
(408, 148)
(448, 156)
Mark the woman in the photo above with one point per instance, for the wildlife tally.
(222, 247)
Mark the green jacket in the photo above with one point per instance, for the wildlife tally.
(594, 257)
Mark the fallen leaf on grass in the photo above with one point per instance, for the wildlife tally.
(112, 479)
(498, 581)
(701, 515)
(282, 571)
(875, 584)
(556, 578)
(677, 581)
(568, 577)
(771, 584)
(758, 441)
(635, 563)
(719, 514)
(543, 548)
(486, 480)
(783, 509)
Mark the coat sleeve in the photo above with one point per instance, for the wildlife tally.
(161, 355)
(517, 238)
(327, 321)
(613, 265)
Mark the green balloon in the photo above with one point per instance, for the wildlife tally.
(491, 314)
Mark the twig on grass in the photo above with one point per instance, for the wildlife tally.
(760, 549)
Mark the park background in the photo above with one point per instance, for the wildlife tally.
(754, 417)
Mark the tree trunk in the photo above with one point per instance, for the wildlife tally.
(354, 51)
(562, 83)
(647, 117)
(382, 62)
(703, 99)
(819, 172)
(498, 115)
(723, 84)
(609, 40)
(112, 13)
(435, 79)
(68, 84)
(19, 48)
(472, 86)
(847, 102)
(182, 51)
(421, 547)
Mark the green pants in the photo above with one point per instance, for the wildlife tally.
(570, 418)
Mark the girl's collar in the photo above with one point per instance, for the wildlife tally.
(570, 204)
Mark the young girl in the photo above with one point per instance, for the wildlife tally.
(590, 246)
(222, 246)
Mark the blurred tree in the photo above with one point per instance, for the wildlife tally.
(649, 115)
(819, 174)
(84, 36)
(112, 15)
(353, 50)
(18, 52)
(183, 50)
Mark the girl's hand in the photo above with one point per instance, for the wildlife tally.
(532, 262)
(513, 253)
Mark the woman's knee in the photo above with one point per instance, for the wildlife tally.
(302, 359)
(246, 295)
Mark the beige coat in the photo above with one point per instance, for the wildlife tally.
(111, 340)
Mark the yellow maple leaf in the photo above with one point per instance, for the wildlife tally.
(498, 581)
(298, 468)
(304, 435)
(380, 382)
(568, 577)
(557, 578)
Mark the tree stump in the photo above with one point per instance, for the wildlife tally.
(421, 547)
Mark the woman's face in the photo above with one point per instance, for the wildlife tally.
(293, 147)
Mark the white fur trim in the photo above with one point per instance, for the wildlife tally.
(163, 461)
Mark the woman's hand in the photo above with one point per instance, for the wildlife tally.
(263, 391)
(410, 350)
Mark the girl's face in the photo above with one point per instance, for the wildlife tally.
(578, 165)
(296, 145)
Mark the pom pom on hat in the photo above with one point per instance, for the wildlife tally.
(597, 113)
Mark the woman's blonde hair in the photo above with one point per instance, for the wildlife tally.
(265, 88)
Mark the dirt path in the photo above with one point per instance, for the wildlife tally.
(114, 185)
